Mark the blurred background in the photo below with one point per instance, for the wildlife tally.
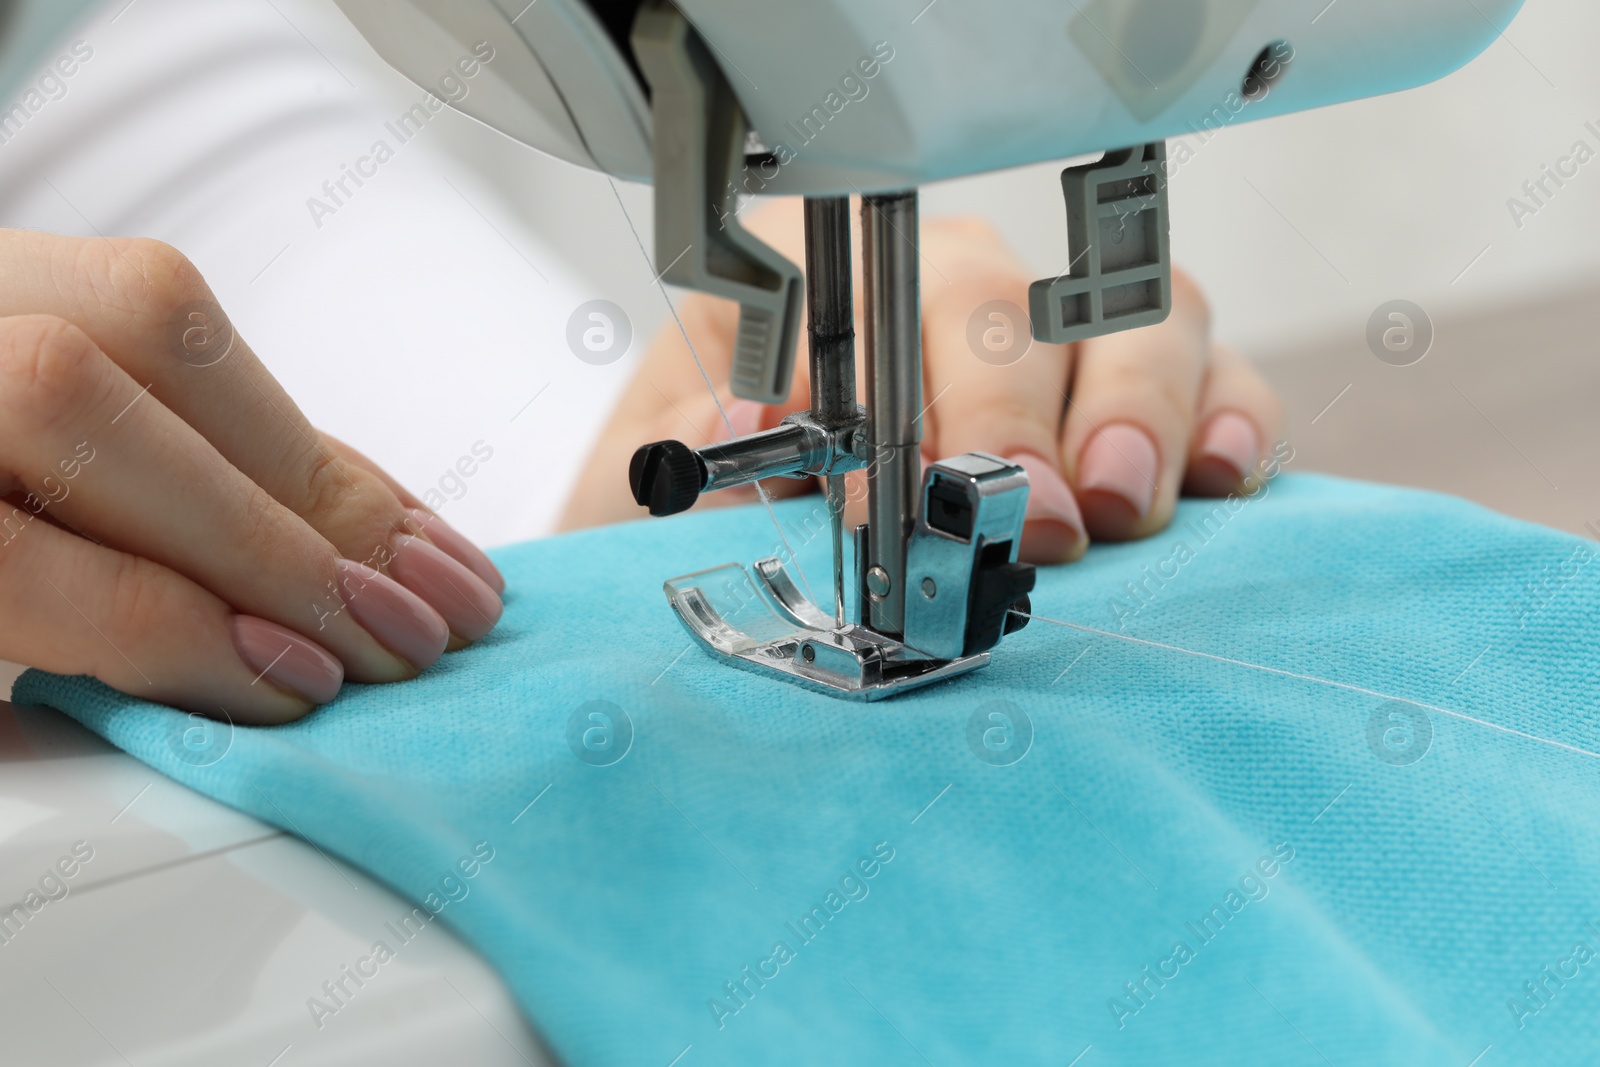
(427, 313)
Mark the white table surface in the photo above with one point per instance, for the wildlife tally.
(196, 934)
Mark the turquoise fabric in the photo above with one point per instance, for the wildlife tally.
(1352, 880)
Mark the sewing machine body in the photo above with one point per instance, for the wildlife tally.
(956, 88)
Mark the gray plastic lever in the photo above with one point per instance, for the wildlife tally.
(699, 143)
(1121, 267)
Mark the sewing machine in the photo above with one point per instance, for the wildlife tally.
(717, 99)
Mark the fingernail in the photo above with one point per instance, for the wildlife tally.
(1053, 529)
(280, 656)
(744, 416)
(458, 548)
(1120, 461)
(464, 600)
(1232, 439)
(401, 621)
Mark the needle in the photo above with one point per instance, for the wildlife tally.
(835, 490)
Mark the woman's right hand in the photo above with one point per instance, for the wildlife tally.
(173, 525)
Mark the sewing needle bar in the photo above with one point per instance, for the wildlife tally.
(831, 330)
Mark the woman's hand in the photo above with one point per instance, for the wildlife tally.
(1109, 430)
(172, 523)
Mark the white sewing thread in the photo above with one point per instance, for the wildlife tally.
(1320, 681)
(660, 285)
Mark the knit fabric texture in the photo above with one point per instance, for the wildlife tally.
(1310, 779)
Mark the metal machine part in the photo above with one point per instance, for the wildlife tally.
(956, 541)
(969, 592)
(765, 624)
(894, 397)
(962, 574)
(667, 90)
(957, 538)
(963, 529)
(831, 333)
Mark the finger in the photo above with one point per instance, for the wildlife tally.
(989, 387)
(665, 399)
(148, 309)
(355, 458)
(668, 397)
(151, 312)
(426, 522)
(1239, 413)
(1132, 411)
(73, 607)
(723, 418)
(145, 483)
(780, 224)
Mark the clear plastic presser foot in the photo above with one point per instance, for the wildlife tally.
(765, 623)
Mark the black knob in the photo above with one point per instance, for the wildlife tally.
(666, 477)
(1020, 613)
(996, 588)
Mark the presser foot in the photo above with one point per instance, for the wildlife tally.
(765, 624)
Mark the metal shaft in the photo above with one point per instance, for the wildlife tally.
(832, 329)
(835, 487)
(832, 333)
(894, 398)
(783, 450)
